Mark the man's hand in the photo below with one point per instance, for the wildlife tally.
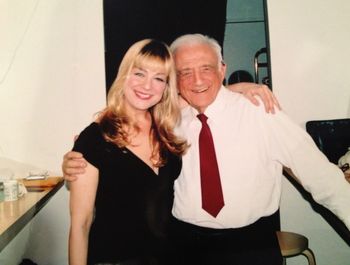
(73, 164)
(347, 175)
(251, 90)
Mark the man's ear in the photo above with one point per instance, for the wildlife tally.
(223, 69)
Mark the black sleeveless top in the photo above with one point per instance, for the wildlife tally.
(133, 204)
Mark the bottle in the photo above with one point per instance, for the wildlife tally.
(2, 195)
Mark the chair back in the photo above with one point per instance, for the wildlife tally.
(331, 136)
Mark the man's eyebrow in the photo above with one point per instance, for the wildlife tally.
(207, 65)
(184, 70)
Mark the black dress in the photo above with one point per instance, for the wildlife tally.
(133, 204)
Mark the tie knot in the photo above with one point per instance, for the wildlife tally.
(202, 117)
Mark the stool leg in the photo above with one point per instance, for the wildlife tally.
(284, 261)
(310, 256)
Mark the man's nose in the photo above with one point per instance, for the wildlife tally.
(197, 77)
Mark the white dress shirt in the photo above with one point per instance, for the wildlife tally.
(251, 147)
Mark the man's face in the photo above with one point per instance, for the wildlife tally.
(199, 75)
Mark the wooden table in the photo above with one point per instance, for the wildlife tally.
(14, 215)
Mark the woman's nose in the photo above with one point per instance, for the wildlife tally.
(147, 83)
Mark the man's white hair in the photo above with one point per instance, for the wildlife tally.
(194, 39)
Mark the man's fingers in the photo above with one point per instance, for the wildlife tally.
(74, 171)
(276, 103)
(253, 99)
(265, 97)
(70, 177)
(74, 166)
(271, 101)
(72, 155)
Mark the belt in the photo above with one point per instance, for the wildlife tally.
(260, 233)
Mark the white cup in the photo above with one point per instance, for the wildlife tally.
(13, 190)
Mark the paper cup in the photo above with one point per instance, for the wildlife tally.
(10, 190)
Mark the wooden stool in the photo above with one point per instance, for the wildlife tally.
(293, 244)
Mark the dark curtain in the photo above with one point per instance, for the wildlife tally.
(128, 21)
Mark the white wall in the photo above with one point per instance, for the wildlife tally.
(310, 56)
(51, 83)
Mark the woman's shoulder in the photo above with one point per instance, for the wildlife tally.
(91, 144)
(90, 136)
(91, 131)
(174, 164)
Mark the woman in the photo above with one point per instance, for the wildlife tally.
(119, 209)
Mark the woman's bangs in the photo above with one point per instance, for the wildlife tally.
(152, 62)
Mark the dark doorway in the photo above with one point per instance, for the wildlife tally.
(126, 22)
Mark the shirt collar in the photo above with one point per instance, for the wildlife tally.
(215, 108)
(189, 114)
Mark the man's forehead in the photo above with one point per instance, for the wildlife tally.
(195, 56)
(195, 63)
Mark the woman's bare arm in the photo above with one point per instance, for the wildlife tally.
(82, 200)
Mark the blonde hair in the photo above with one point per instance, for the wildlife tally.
(165, 114)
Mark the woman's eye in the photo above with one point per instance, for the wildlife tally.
(160, 79)
(139, 74)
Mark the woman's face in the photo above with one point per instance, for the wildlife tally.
(144, 87)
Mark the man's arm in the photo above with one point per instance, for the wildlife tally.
(294, 148)
(250, 91)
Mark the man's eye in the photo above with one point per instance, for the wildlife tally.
(185, 74)
(206, 69)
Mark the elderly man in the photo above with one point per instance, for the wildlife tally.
(227, 217)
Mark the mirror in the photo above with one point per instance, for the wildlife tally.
(246, 41)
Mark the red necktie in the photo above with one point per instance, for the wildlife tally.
(212, 196)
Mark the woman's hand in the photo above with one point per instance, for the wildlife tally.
(251, 90)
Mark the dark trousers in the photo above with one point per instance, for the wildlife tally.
(256, 244)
